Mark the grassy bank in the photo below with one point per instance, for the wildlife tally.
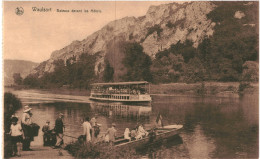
(206, 88)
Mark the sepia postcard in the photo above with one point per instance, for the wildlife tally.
(130, 79)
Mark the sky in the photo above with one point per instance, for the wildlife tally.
(33, 36)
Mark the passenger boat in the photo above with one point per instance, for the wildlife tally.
(160, 134)
(121, 91)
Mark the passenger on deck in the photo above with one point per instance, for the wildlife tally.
(111, 132)
(86, 129)
(141, 132)
(126, 134)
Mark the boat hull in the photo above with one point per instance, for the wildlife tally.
(121, 98)
(167, 133)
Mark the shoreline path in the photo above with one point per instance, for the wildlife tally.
(42, 152)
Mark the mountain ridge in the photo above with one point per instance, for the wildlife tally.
(182, 16)
(11, 66)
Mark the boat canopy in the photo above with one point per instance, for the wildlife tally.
(120, 83)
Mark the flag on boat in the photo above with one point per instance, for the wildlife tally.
(159, 120)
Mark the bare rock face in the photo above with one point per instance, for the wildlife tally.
(178, 22)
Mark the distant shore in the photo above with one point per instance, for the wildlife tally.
(206, 88)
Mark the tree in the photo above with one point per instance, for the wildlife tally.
(108, 72)
(17, 78)
(250, 71)
(31, 81)
(137, 63)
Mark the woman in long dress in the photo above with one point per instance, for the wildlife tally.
(86, 129)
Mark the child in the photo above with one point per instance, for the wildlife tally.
(46, 135)
(126, 134)
(16, 137)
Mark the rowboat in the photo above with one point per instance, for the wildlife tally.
(160, 134)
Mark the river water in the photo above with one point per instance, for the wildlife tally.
(214, 127)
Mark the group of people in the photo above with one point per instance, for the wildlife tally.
(23, 133)
(54, 137)
(91, 129)
(135, 134)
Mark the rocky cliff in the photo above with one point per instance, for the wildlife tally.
(161, 27)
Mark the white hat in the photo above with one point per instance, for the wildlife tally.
(26, 108)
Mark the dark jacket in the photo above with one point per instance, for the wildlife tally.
(59, 126)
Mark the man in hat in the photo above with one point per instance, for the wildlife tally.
(59, 129)
(27, 129)
(111, 132)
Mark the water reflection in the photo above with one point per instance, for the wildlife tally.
(119, 110)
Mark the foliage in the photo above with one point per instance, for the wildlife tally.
(169, 24)
(100, 150)
(201, 90)
(11, 105)
(31, 81)
(172, 65)
(250, 71)
(108, 72)
(243, 86)
(221, 57)
(77, 74)
(232, 43)
(156, 28)
(194, 71)
(17, 78)
(137, 63)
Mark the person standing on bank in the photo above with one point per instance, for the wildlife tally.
(27, 129)
(46, 133)
(59, 129)
(16, 136)
(86, 129)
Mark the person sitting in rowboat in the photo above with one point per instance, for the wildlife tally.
(126, 134)
(141, 132)
(111, 132)
(133, 134)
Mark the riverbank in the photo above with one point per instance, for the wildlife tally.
(206, 88)
(44, 152)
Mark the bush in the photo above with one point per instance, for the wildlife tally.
(201, 90)
(11, 105)
(169, 24)
(100, 150)
(243, 86)
(156, 28)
